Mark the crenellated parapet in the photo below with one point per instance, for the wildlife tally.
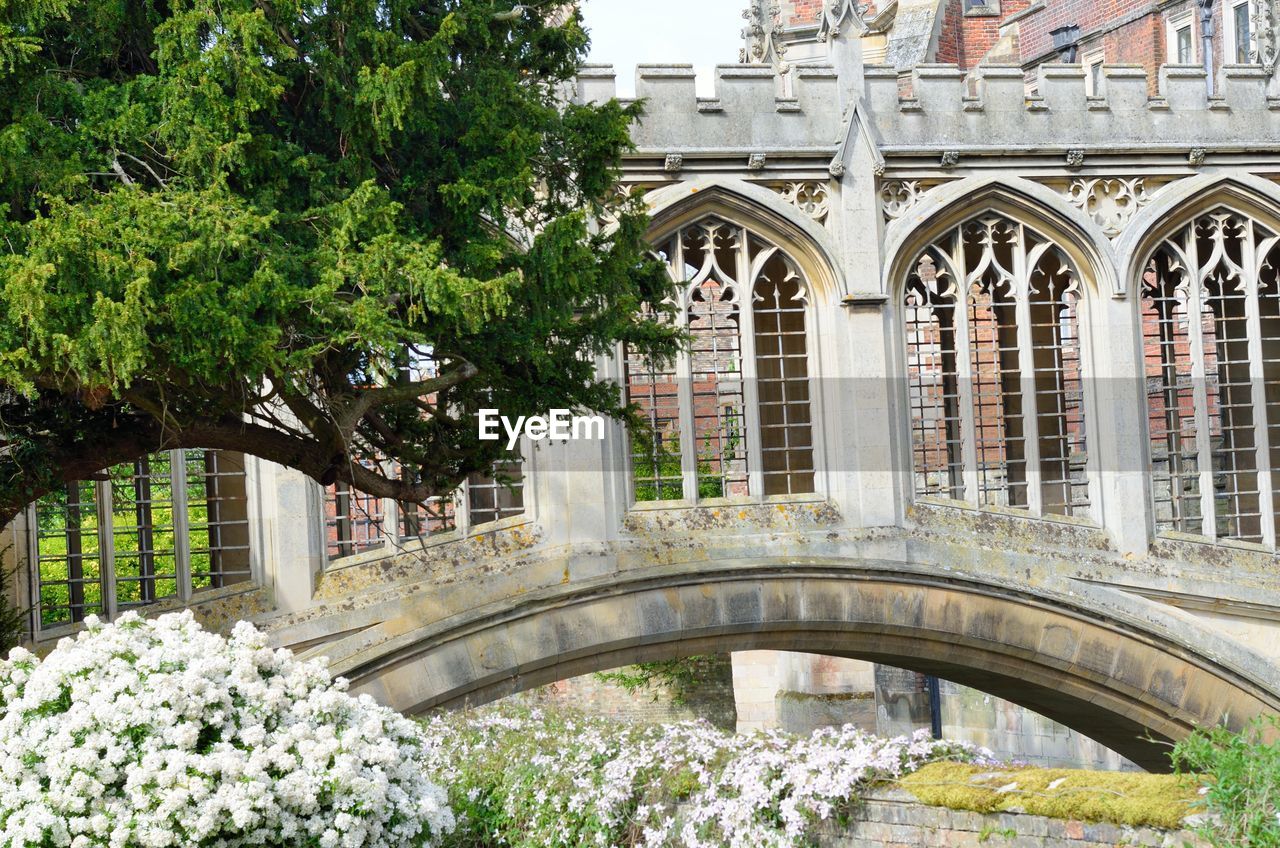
(942, 109)
(945, 109)
(749, 109)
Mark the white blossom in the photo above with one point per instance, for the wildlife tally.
(567, 780)
(156, 733)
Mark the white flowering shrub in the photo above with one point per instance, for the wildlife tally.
(144, 734)
(529, 778)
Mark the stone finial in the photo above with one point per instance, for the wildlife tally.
(950, 158)
(1075, 158)
(835, 12)
(762, 36)
(756, 162)
(1196, 156)
(674, 163)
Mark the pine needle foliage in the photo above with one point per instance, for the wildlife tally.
(323, 233)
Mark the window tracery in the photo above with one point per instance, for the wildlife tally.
(1211, 331)
(730, 418)
(994, 376)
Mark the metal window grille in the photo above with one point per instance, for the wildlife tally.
(934, 395)
(732, 416)
(146, 532)
(357, 523)
(994, 388)
(143, 544)
(218, 519)
(66, 554)
(654, 389)
(498, 495)
(1213, 381)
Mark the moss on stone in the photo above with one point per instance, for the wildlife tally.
(1122, 798)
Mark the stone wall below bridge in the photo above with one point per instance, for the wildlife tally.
(892, 818)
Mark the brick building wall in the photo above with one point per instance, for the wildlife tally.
(801, 12)
(967, 39)
(1126, 31)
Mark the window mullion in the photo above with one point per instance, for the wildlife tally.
(747, 352)
(390, 529)
(32, 558)
(1027, 375)
(106, 547)
(964, 376)
(1258, 388)
(1200, 389)
(684, 385)
(181, 522)
(462, 507)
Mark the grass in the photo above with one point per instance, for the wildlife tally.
(1122, 798)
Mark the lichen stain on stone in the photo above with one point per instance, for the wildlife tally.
(781, 516)
(410, 565)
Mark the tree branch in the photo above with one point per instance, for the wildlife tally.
(368, 399)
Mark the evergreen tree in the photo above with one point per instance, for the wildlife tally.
(317, 231)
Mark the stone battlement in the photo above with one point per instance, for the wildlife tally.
(747, 110)
(945, 108)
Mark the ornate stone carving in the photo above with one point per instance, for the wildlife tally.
(1075, 158)
(1266, 34)
(811, 198)
(836, 168)
(1110, 202)
(897, 196)
(835, 13)
(674, 163)
(763, 35)
(950, 158)
(1196, 156)
(756, 162)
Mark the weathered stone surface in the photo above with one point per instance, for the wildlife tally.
(888, 818)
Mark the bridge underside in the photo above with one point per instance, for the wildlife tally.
(1107, 677)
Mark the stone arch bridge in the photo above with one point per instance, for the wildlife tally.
(1057, 547)
(985, 383)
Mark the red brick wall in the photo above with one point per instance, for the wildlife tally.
(1089, 15)
(966, 40)
(1140, 42)
(802, 12)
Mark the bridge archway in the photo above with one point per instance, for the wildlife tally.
(1123, 685)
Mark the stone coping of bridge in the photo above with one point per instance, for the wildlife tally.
(943, 107)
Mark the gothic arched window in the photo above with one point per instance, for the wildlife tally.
(993, 360)
(731, 416)
(1211, 341)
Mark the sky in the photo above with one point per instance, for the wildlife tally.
(625, 33)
